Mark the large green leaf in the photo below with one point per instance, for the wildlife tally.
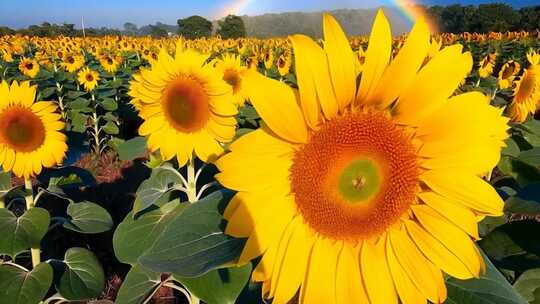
(490, 288)
(194, 243)
(18, 286)
(528, 285)
(87, 217)
(80, 276)
(132, 149)
(525, 201)
(135, 235)
(20, 233)
(531, 157)
(140, 282)
(163, 180)
(219, 286)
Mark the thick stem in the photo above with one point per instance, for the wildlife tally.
(29, 198)
(191, 182)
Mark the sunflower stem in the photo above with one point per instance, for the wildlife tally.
(2, 203)
(29, 198)
(191, 182)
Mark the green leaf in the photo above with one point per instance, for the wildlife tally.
(75, 94)
(46, 93)
(5, 183)
(525, 201)
(490, 288)
(219, 286)
(21, 287)
(19, 234)
(194, 243)
(78, 122)
(111, 128)
(161, 181)
(88, 217)
(531, 157)
(134, 236)
(140, 282)
(528, 285)
(132, 149)
(80, 275)
(511, 149)
(109, 104)
(79, 104)
(522, 172)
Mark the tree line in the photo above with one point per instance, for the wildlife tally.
(493, 17)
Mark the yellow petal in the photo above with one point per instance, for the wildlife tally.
(437, 253)
(455, 212)
(289, 272)
(406, 289)
(435, 82)
(349, 283)
(376, 274)
(377, 56)
(340, 61)
(401, 72)
(319, 282)
(468, 189)
(276, 104)
(451, 236)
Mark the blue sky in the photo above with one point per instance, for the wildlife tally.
(113, 13)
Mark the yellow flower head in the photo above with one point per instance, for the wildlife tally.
(232, 70)
(486, 65)
(507, 74)
(534, 58)
(356, 193)
(72, 62)
(109, 63)
(30, 136)
(29, 67)
(187, 107)
(526, 95)
(284, 64)
(88, 78)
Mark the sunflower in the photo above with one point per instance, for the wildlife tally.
(186, 106)
(284, 64)
(29, 67)
(534, 58)
(507, 74)
(88, 78)
(357, 193)
(109, 63)
(360, 60)
(72, 62)
(526, 95)
(30, 136)
(486, 65)
(233, 71)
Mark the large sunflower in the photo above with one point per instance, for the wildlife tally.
(526, 94)
(30, 136)
(186, 106)
(364, 194)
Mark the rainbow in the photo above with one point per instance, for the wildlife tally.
(408, 7)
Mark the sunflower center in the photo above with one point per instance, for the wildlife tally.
(231, 77)
(29, 66)
(21, 129)
(509, 71)
(89, 77)
(185, 104)
(356, 176)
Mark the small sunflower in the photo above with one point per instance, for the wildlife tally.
(72, 62)
(356, 193)
(88, 78)
(507, 74)
(526, 95)
(232, 70)
(284, 64)
(361, 60)
(109, 63)
(29, 67)
(486, 65)
(30, 136)
(534, 58)
(186, 105)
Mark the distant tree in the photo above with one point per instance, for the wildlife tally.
(4, 30)
(530, 18)
(232, 27)
(497, 17)
(194, 27)
(130, 28)
(158, 32)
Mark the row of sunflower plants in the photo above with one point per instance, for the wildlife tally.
(370, 170)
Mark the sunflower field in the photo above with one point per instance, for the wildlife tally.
(372, 169)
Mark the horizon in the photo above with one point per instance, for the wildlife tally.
(101, 13)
